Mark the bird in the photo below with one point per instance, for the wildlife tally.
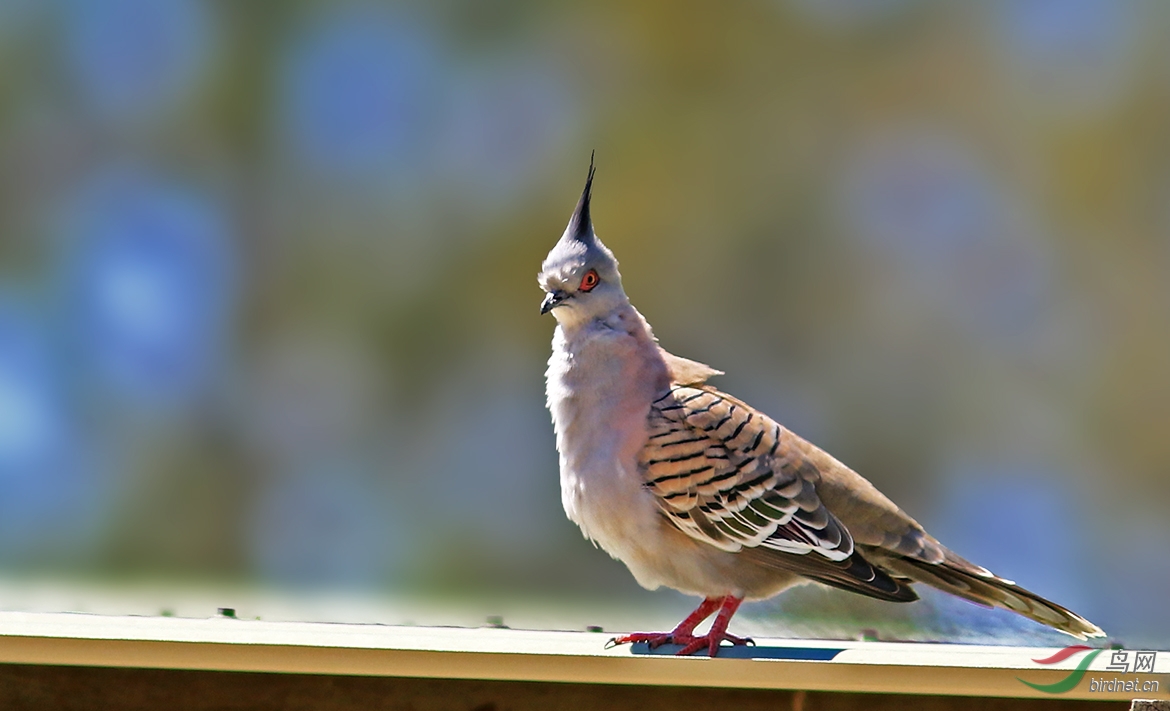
(696, 490)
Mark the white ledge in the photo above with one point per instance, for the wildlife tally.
(225, 644)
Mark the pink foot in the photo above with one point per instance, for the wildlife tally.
(689, 643)
(682, 635)
(711, 642)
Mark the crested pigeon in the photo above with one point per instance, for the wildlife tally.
(696, 490)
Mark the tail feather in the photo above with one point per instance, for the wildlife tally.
(959, 577)
(854, 573)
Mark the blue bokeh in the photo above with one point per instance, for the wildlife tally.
(1074, 56)
(357, 93)
(500, 125)
(51, 497)
(150, 286)
(943, 222)
(32, 422)
(921, 196)
(134, 58)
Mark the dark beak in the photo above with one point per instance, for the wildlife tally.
(552, 300)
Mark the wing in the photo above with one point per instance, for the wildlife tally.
(722, 474)
(728, 475)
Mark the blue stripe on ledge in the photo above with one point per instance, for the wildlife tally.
(811, 654)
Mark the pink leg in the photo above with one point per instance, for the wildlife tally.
(684, 633)
(718, 631)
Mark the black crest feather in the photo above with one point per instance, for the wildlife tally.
(581, 224)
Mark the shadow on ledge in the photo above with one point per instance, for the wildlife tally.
(811, 654)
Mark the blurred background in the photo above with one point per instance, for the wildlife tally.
(268, 309)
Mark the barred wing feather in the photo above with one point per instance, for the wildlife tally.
(723, 474)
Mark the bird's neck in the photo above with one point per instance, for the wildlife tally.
(612, 358)
(623, 317)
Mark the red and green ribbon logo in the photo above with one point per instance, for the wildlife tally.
(1069, 682)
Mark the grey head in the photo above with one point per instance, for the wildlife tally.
(580, 275)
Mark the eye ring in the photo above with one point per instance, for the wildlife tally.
(590, 280)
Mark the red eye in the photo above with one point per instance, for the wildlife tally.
(589, 280)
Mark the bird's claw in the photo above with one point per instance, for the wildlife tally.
(654, 639)
(689, 643)
(711, 643)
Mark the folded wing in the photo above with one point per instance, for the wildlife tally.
(730, 476)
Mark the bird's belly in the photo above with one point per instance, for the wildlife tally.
(612, 508)
(660, 555)
(624, 521)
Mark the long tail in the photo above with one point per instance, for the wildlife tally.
(979, 585)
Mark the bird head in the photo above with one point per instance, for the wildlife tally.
(580, 275)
